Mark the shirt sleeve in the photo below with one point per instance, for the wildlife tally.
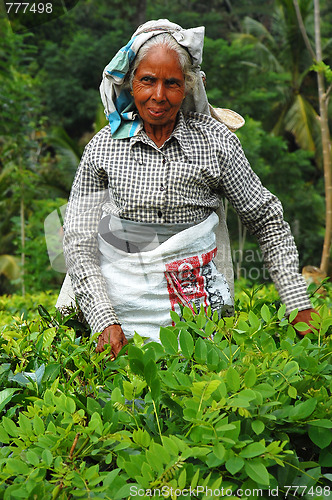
(262, 213)
(88, 193)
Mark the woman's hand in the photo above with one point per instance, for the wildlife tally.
(114, 336)
(304, 317)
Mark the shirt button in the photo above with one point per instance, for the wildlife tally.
(162, 187)
(160, 214)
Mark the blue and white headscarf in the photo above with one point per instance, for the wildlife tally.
(118, 102)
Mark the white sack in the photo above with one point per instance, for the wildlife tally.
(144, 287)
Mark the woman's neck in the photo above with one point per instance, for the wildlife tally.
(159, 133)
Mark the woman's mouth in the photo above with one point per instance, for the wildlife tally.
(156, 112)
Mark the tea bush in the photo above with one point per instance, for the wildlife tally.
(24, 307)
(234, 408)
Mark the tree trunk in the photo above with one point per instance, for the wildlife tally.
(324, 127)
(141, 12)
(326, 145)
(22, 217)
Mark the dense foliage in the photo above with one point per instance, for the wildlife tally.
(256, 63)
(238, 406)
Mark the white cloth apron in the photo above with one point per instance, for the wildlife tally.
(143, 287)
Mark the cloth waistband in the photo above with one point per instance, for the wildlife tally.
(133, 237)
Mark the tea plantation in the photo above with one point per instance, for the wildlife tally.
(233, 408)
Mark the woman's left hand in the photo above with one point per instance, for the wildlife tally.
(304, 317)
(114, 336)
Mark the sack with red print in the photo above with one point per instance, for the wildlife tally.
(143, 287)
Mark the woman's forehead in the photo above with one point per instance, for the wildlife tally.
(160, 57)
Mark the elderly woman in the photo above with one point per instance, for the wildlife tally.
(141, 228)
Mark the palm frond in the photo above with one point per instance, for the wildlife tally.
(9, 266)
(301, 121)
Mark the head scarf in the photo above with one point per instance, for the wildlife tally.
(118, 102)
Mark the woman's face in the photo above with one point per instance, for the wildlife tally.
(159, 87)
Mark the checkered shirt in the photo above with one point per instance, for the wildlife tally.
(183, 181)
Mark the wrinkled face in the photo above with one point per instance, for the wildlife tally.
(159, 87)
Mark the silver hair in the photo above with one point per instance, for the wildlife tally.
(166, 40)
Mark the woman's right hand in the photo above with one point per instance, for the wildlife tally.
(114, 336)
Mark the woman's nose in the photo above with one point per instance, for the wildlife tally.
(159, 91)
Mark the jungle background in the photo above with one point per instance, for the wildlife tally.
(257, 63)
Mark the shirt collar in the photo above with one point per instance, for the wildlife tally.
(180, 133)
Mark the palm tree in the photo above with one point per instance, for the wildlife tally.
(281, 50)
(286, 48)
(323, 96)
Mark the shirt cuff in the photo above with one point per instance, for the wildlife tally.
(295, 295)
(101, 316)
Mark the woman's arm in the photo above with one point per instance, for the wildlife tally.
(88, 193)
(262, 213)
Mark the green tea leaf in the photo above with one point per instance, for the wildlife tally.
(301, 326)
(324, 422)
(10, 427)
(257, 426)
(326, 323)
(250, 376)
(281, 312)
(155, 389)
(38, 425)
(257, 471)
(253, 320)
(303, 410)
(48, 337)
(292, 392)
(141, 437)
(117, 396)
(265, 313)
(135, 356)
(291, 368)
(204, 389)
(17, 467)
(210, 328)
(195, 479)
(252, 450)
(187, 314)
(150, 372)
(47, 457)
(219, 451)
(169, 340)
(200, 351)
(4, 438)
(32, 458)
(186, 343)
(70, 405)
(234, 464)
(93, 406)
(293, 315)
(175, 317)
(265, 390)
(213, 358)
(25, 425)
(320, 436)
(5, 397)
(233, 379)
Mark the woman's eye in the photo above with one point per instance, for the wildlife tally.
(146, 79)
(172, 83)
